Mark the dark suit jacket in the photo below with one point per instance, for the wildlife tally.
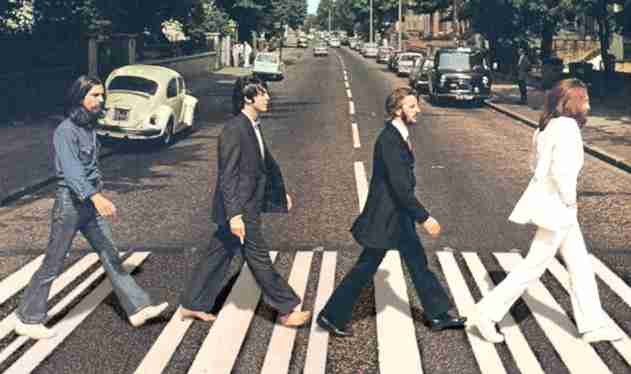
(246, 184)
(391, 205)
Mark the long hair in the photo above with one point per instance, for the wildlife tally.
(74, 100)
(246, 87)
(565, 99)
(395, 99)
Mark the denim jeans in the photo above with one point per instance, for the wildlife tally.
(68, 216)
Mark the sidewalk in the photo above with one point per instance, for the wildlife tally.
(607, 134)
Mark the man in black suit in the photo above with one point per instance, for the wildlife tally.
(387, 221)
(249, 183)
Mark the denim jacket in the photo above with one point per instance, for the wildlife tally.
(76, 159)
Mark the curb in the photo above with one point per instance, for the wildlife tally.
(595, 151)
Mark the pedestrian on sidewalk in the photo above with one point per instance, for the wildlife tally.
(549, 202)
(80, 206)
(235, 55)
(249, 183)
(247, 54)
(524, 64)
(388, 221)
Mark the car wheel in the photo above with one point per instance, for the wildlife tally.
(167, 137)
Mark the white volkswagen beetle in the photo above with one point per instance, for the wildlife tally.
(146, 102)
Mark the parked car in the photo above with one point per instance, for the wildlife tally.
(267, 66)
(419, 77)
(146, 102)
(303, 42)
(394, 60)
(334, 43)
(320, 50)
(461, 74)
(406, 62)
(370, 50)
(384, 55)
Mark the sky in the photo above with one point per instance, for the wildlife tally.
(313, 6)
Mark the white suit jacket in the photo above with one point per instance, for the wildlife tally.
(550, 198)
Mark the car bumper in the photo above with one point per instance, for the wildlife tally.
(132, 134)
(463, 95)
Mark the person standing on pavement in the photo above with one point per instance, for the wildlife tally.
(235, 55)
(247, 54)
(249, 183)
(80, 206)
(549, 202)
(388, 221)
(523, 69)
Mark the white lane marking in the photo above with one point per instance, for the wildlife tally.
(346, 84)
(524, 357)
(67, 277)
(315, 361)
(19, 279)
(612, 280)
(355, 130)
(485, 353)
(281, 343)
(351, 108)
(362, 184)
(577, 355)
(396, 338)
(222, 344)
(349, 94)
(38, 353)
(622, 346)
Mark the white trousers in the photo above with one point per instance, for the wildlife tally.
(588, 312)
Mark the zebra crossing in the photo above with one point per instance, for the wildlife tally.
(398, 347)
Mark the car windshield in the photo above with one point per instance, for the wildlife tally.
(130, 83)
(408, 57)
(269, 58)
(455, 61)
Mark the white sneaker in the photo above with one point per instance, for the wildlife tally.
(34, 330)
(486, 327)
(139, 318)
(609, 333)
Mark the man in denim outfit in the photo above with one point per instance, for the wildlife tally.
(80, 206)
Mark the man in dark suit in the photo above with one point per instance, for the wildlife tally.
(249, 183)
(387, 221)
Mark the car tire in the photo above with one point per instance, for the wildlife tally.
(167, 137)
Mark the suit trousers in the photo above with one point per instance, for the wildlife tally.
(588, 312)
(210, 274)
(433, 297)
(69, 216)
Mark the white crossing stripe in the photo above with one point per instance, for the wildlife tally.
(346, 84)
(158, 357)
(612, 280)
(355, 130)
(63, 303)
(38, 353)
(222, 344)
(622, 346)
(351, 108)
(577, 355)
(349, 94)
(18, 280)
(524, 357)
(282, 341)
(315, 361)
(67, 277)
(396, 338)
(485, 353)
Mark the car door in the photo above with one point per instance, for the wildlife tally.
(174, 100)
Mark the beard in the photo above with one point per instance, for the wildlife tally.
(86, 118)
(409, 121)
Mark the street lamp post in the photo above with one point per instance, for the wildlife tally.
(371, 36)
(400, 24)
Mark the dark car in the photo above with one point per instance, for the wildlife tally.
(460, 74)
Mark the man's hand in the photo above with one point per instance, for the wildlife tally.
(237, 227)
(432, 227)
(290, 203)
(103, 206)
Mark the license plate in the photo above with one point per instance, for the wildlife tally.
(121, 114)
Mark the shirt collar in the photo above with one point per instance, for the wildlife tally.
(403, 129)
(255, 123)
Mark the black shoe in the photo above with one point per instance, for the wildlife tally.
(331, 328)
(445, 321)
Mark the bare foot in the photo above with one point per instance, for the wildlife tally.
(187, 313)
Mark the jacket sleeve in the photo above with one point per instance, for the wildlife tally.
(229, 147)
(74, 172)
(567, 160)
(399, 176)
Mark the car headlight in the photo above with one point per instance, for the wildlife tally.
(153, 120)
(485, 81)
(443, 80)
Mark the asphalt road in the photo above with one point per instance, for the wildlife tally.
(472, 165)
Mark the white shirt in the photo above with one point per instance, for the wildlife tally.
(257, 131)
(403, 129)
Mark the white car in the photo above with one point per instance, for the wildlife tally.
(146, 102)
(267, 66)
(406, 62)
(321, 50)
